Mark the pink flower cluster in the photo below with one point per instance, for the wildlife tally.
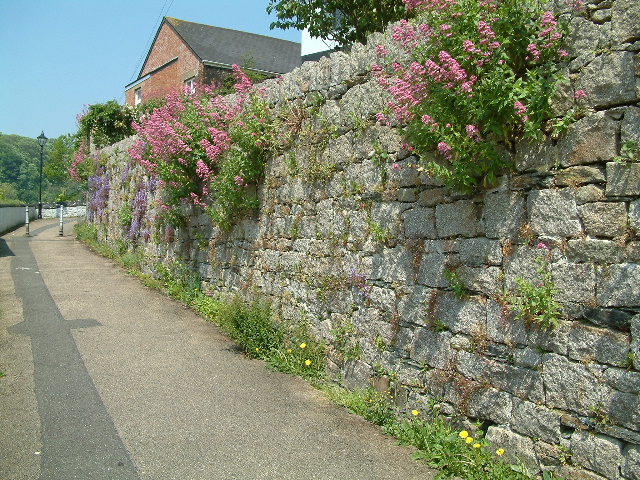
(183, 152)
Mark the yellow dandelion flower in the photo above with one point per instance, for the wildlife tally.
(500, 451)
(468, 439)
(476, 445)
(307, 362)
(415, 412)
(257, 349)
(289, 350)
(303, 345)
(463, 434)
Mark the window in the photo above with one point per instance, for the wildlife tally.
(190, 85)
(138, 94)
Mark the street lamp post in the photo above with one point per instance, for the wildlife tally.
(42, 139)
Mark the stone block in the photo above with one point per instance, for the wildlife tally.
(534, 156)
(591, 139)
(460, 315)
(596, 452)
(554, 213)
(635, 341)
(619, 285)
(625, 19)
(608, 317)
(393, 265)
(604, 346)
(634, 216)
(631, 467)
(574, 282)
(485, 280)
(630, 127)
(503, 214)
(461, 218)
(513, 444)
(589, 193)
(604, 219)
(502, 327)
(594, 250)
(493, 405)
(479, 251)
(536, 421)
(431, 348)
(413, 307)
(571, 386)
(420, 223)
(623, 179)
(431, 269)
(578, 175)
(609, 80)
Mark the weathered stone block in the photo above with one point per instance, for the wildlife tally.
(511, 442)
(609, 80)
(413, 307)
(571, 386)
(630, 128)
(479, 251)
(635, 341)
(604, 219)
(536, 421)
(589, 140)
(579, 175)
(460, 315)
(503, 214)
(591, 343)
(608, 317)
(631, 468)
(554, 213)
(393, 265)
(420, 223)
(623, 179)
(492, 405)
(574, 282)
(625, 19)
(502, 327)
(431, 269)
(431, 348)
(634, 216)
(619, 285)
(458, 218)
(535, 156)
(589, 193)
(597, 452)
(485, 280)
(594, 250)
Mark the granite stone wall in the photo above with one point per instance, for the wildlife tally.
(406, 280)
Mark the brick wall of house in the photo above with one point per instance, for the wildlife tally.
(167, 46)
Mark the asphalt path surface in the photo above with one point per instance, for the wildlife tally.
(105, 378)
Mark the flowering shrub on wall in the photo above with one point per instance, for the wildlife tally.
(481, 73)
(207, 150)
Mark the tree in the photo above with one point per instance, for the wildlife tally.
(342, 21)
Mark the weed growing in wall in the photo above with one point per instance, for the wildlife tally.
(207, 150)
(534, 301)
(481, 74)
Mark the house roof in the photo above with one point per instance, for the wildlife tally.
(225, 47)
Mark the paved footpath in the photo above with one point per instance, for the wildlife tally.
(108, 379)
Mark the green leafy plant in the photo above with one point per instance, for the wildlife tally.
(480, 75)
(457, 285)
(535, 302)
(628, 153)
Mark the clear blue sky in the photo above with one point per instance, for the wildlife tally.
(57, 56)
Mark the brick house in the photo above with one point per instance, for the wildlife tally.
(184, 53)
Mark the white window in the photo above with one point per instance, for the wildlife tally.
(138, 94)
(190, 85)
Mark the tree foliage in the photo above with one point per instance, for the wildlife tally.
(342, 21)
(106, 123)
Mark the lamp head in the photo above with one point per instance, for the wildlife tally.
(42, 139)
